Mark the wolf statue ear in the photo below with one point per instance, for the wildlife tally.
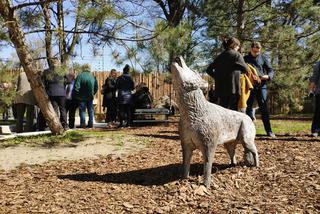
(183, 63)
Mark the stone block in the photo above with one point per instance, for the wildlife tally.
(4, 129)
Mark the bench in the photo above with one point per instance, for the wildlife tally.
(150, 113)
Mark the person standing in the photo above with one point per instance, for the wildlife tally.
(227, 69)
(264, 69)
(55, 84)
(314, 90)
(85, 87)
(109, 97)
(25, 103)
(71, 103)
(125, 86)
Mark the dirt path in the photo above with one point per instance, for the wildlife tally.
(13, 157)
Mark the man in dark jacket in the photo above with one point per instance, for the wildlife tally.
(227, 69)
(265, 72)
(55, 81)
(85, 87)
(125, 86)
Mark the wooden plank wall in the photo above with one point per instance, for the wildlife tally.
(155, 82)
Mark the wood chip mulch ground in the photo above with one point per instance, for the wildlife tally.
(148, 181)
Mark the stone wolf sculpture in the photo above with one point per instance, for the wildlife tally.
(204, 125)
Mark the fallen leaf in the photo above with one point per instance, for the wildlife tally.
(127, 205)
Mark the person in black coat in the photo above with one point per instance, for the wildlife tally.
(55, 84)
(109, 97)
(226, 70)
(125, 86)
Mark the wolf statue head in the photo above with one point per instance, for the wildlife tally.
(186, 79)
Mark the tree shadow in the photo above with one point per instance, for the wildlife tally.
(289, 138)
(144, 177)
(172, 132)
(167, 137)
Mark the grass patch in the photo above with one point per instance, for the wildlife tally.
(7, 122)
(285, 127)
(118, 138)
(45, 140)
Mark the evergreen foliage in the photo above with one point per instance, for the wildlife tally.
(178, 25)
(152, 35)
(8, 79)
(289, 33)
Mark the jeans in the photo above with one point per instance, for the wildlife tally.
(260, 93)
(315, 127)
(83, 105)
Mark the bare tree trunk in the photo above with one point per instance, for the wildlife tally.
(240, 20)
(62, 43)
(18, 39)
(48, 33)
(66, 51)
(174, 14)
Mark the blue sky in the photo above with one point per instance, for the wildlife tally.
(101, 62)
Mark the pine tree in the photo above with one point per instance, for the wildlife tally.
(289, 33)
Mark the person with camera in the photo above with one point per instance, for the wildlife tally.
(263, 66)
(314, 91)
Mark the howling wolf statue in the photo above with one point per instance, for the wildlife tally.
(204, 125)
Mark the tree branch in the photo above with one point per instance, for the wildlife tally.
(163, 7)
(99, 34)
(75, 36)
(20, 6)
(255, 7)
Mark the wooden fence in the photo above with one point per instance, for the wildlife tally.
(157, 84)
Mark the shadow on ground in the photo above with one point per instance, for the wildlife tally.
(166, 137)
(289, 138)
(172, 132)
(145, 177)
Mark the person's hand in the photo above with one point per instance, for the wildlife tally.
(264, 77)
(312, 87)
